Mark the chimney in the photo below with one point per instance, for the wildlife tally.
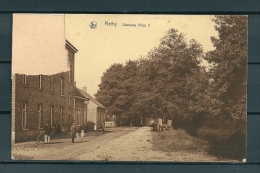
(84, 88)
(75, 84)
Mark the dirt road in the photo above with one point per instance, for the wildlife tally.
(124, 144)
(62, 148)
(138, 146)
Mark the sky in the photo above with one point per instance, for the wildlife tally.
(38, 45)
(119, 38)
(39, 41)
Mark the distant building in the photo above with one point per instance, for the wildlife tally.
(38, 99)
(80, 108)
(95, 110)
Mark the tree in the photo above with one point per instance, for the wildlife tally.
(116, 91)
(156, 86)
(109, 89)
(177, 62)
(225, 93)
(229, 61)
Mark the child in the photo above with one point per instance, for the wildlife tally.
(78, 131)
(82, 135)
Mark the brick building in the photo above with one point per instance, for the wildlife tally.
(80, 108)
(37, 99)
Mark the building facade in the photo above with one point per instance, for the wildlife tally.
(38, 99)
(95, 110)
(80, 108)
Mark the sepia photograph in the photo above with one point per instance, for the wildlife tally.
(129, 87)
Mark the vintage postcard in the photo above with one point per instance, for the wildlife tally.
(117, 87)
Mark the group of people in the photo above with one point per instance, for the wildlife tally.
(76, 131)
(79, 133)
(48, 131)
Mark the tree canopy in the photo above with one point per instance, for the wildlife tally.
(171, 83)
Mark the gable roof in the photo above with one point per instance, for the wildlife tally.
(91, 98)
(78, 94)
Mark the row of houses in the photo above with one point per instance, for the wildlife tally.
(53, 99)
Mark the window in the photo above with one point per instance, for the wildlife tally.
(69, 99)
(61, 86)
(52, 84)
(51, 115)
(40, 81)
(84, 116)
(70, 75)
(61, 115)
(78, 117)
(24, 115)
(39, 115)
(24, 79)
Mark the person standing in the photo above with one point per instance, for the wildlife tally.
(57, 129)
(47, 137)
(103, 126)
(73, 132)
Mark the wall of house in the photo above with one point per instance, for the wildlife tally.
(33, 96)
(79, 116)
(95, 114)
(91, 113)
(100, 116)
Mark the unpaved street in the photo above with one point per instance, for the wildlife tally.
(123, 144)
(137, 146)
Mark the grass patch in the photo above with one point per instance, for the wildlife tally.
(224, 143)
(177, 140)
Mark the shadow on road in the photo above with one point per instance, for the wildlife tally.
(55, 142)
